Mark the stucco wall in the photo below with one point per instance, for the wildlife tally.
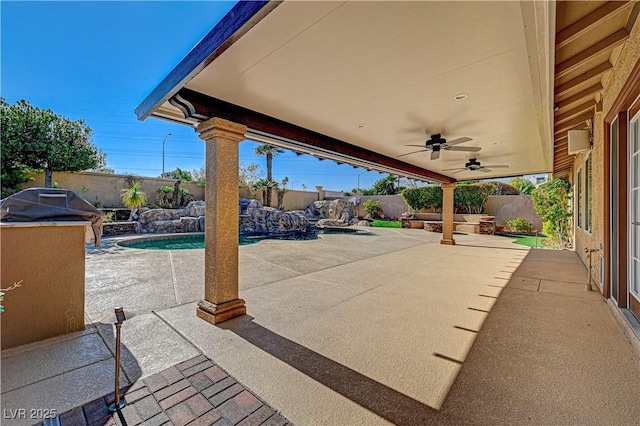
(627, 60)
(107, 188)
(298, 200)
(392, 205)
(293, 200)
(49, 259)
(505, 207)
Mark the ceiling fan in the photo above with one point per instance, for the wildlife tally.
(474, 165)
(437, 143)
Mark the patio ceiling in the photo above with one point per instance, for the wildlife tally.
(359, 81)
(589, 38)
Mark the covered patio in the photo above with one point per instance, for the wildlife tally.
(386, 328)
(364, 84)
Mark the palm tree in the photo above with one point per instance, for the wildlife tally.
(133, 197)
(265, 186)
(268, 151)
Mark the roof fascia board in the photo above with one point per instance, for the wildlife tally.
(539, 19)
(200, 107)
(240, 19)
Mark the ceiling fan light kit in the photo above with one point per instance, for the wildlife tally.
(437, 143)
(473, 165)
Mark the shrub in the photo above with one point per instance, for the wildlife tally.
(133, 197)
(471, 198)
(373, 209)
(518, 224)
(524, 186)
(423, 198)
(551, 202)
(109, 217)
(502, 188)
(165, 190)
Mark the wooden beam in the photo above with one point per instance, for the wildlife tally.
(573, 122)
(578, 59)
(580, 95)
(593, 72)
(567, 164)
(633, 16)
(561, 145)
(565, 36)
(563, 169)
(575, 111)
(561, 149)
(564, 173)
(561, 137)
(203, 107)
(562, 158)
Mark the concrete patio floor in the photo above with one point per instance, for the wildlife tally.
(386, 327)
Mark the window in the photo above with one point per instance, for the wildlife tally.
(587, 195)
(580, 204)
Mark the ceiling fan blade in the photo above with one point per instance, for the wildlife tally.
(499, 166)
(457, 141)
(420, 146)
(435, 155)
(461, 170)
(465, 148)
(457, 168)
(409, 153)
(484, 170)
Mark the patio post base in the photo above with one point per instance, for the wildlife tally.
(448, 242)
(217, 313)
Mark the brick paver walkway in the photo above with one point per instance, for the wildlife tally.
(196, 392)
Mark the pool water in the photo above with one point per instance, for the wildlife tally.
(185, 242)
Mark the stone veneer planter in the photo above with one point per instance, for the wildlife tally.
(120, 228)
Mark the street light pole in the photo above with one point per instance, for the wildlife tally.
(366, 171)
(163, 141)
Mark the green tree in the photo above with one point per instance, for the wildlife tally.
(178, 174)
(423, 198)
(249, 174)
(269, 152)
(43, 140)
(471, 198)
(524, 186)
(551, 201)
(102, 169)
(133, 197)
(387, 186)
(265, 186)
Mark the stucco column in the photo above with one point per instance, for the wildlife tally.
(447, 213)
(221, 300)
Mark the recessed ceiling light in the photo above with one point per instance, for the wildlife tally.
(362, 125)
(461, 96)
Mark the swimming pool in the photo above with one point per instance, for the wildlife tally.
(196, 241)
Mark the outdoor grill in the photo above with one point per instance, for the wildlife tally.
(49, 205)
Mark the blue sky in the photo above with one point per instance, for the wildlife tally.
(98, 60)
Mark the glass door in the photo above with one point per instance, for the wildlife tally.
(613, 232)
(634, 211)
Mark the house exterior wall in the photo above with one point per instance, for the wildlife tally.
(629, 57)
